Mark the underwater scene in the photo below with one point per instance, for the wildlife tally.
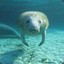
(31, 31)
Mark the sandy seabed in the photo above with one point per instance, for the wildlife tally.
(12, 51)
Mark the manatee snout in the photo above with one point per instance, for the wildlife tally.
(34, 26)
(34, 29)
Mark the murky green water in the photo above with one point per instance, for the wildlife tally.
(12, 51)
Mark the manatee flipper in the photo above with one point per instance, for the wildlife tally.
(23, 39)
(43, 38)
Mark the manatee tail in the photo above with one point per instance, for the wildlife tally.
(7, 31)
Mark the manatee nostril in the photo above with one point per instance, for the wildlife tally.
(33, 30)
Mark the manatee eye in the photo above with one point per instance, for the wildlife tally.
(39, 21)
(28, 21)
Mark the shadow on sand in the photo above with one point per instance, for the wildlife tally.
(9, 57)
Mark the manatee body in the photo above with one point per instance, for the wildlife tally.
(33, 23)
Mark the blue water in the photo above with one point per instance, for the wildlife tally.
(12, 51)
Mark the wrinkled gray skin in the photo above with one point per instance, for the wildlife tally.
(32, 23)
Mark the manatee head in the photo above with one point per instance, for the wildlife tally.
(32, 22)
